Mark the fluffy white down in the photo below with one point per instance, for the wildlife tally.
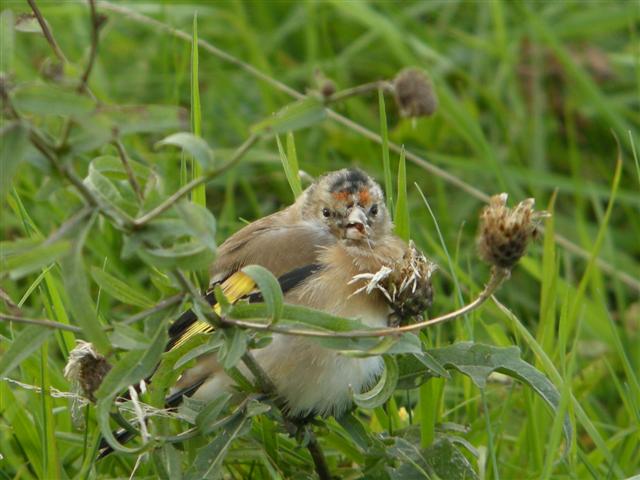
(308, 377)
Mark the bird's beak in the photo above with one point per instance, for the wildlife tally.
(356, 228)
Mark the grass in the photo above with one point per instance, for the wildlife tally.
(536, 99)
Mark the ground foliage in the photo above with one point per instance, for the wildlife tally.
(535, 99)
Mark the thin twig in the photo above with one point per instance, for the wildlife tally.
(497, 277)
(124, 158)
(185, 189)
(69, 225)
(318, 456)
(416, 159)
(262, 379)
(47, 32)
(164, 304)
(359, 90)
(40, 322)
(96, 23)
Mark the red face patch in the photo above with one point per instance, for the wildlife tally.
(364, 196)
(342, 196)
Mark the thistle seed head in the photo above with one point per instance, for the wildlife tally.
(505, 232)
(409, 285)
(86, 369)
(414, 93)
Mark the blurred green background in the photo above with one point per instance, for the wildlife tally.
(535, 99)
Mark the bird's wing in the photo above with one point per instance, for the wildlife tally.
(279, 243)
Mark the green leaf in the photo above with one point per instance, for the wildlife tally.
(432, 364)
(188, 256)
(199, 194)
(7, 41)
(23, 263)
(440, 460)
(207, 417)
(295, 116)
(120, 290)
(290, 164)
(130, 369)
(27, 341)
(128, 338)
(192, 144)
(14, 139)
(109, 194)
(383, 390)
(401, 217)
(50, 100)
(233, 348)
(168, 462)
(128, 119)
(477, 361)
(81, 305)
(111, 167)
(269, 288)
(386, 163)
(201, 223)
(208, 462)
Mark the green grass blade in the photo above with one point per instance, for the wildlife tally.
(386, 163)
(198, 195)
(401, 217)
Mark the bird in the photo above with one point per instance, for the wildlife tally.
(337, 234)
(338, 229)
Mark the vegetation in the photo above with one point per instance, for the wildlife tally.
(121, 122)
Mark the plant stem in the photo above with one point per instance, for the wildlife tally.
(96, 23)
(497, 277)
(40, 322)
(365, 88)
(124, 158)
(185, 189)
(318, 456)
(47, 32)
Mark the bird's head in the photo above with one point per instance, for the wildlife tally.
(348, 203)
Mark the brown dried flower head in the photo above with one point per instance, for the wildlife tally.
(506, 232)
(409, 285)
(86, 368)
(414, 93)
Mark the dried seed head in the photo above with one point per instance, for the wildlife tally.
(86, 368)
(414, 93)
(409, 285)
(506, 232)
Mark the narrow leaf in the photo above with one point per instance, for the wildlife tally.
(81, 305)
(401, 217)
(120, 290)
(20, 264)
(198, 196)
(14, 139)
(208, 462)
(201, 223)
(270, 289)
(192, 144)
(386, 162)
(26, 342)
(298, 115)
(50, 100)
(383, 390)
(290, 164)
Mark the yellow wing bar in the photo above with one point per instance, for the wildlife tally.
(234, 288)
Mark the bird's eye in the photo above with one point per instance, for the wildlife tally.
(326, 212)
(374, 210)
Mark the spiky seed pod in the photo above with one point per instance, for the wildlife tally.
(409, 285)
(414, 93)
(505, 232)
(86, 368)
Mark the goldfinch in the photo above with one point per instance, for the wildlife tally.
(336, 234)
(341, 230)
